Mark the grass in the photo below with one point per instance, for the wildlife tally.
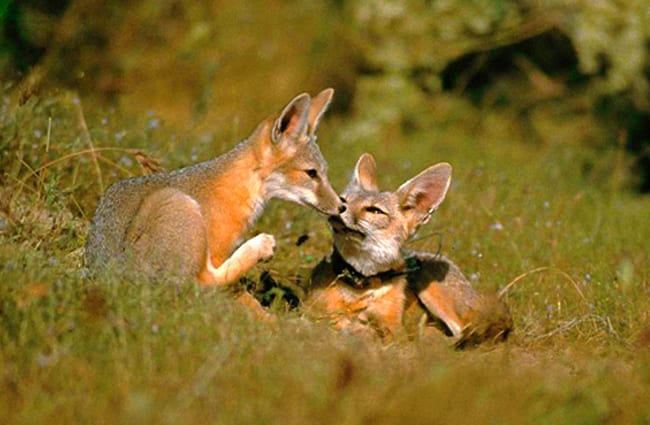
(545, 218)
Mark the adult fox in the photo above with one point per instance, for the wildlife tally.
(189, 220)
(371, 282)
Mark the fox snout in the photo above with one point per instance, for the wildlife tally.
(329, 203)
(342, 207)
(340, 224)
(336, 223)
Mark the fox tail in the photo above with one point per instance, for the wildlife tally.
(489, 321)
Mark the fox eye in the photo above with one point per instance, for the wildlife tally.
(374, 210)
(312, 173)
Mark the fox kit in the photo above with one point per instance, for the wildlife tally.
(370, 281)
(188, 221)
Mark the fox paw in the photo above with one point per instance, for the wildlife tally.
(263, 245)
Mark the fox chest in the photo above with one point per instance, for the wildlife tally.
(382, 302)
(228, 215)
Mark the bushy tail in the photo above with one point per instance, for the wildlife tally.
(488, 321)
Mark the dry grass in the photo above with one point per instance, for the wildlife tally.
(571, 258)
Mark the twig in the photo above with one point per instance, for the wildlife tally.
(505, 289)
(92, 151)
(575, 322)
(427, 236)
(49, 134)
(85, 135)
(115, 165)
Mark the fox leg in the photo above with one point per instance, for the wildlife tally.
(437, 303)
(258, 311)
(254, 250)
(169, 234)
(384, 310)
(251, 252)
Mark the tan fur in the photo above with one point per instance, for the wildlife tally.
(369, 281)
(189, 221)
(379, 303)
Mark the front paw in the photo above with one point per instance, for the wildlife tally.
(263, 245)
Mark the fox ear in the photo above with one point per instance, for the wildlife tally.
(365, 174)
(293, 119)
(319, 105)
(422, 194)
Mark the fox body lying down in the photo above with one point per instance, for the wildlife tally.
(371, 283)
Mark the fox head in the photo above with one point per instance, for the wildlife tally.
(299, 171)
(370, 232)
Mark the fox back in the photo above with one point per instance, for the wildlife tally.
(189, 220)
(369, 238)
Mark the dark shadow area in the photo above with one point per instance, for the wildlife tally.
(634, 135)
(27, 31)
(474, 74)
(548, 59)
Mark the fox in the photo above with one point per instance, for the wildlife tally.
(191, 221)
(372, 283)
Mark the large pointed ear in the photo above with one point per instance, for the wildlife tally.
(293, 119)
(319, 105)
(422, 194)
(365, 174)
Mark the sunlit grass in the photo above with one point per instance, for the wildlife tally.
(116, 349)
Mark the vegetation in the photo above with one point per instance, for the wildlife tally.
(544, 203)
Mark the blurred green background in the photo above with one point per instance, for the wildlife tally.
(554, 72)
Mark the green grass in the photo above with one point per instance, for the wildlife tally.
(549, 218)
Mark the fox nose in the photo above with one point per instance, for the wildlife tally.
(342, 207)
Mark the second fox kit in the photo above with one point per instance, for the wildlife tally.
(188, 221)
(370, 281)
